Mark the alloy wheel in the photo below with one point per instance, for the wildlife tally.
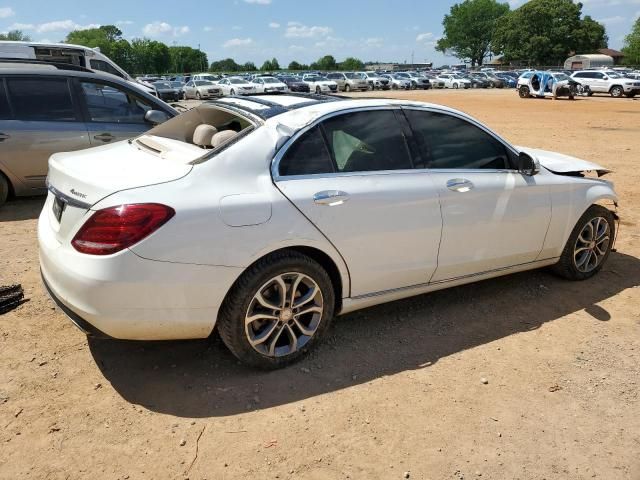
(284, 314)
(592, 244)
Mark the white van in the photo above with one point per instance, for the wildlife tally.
(85, 57)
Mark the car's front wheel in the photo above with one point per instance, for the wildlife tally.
(588, 246)
(616, 91)
(277, 310)
(524, 92)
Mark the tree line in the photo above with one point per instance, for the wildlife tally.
(540, 32)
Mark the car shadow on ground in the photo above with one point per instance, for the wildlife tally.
(24, 208)
(201, 379)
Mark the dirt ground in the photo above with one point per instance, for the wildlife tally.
(396, 389)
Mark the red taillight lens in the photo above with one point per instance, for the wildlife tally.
(113, 229)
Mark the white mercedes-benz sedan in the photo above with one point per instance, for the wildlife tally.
(266, 216)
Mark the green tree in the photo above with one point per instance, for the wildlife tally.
(226, 65)
(249, 67)
(149, 56)
(352, 64)
(15, 35)
(294, 66)
(325, 63)
(102, 37)
(631, 48)
(270, 65)
(545, 32)
(469, 27)
(186, 59)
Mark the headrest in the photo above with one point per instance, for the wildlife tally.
(203, 135)
(221, 137)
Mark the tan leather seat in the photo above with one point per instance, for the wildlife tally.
(221, 137)
(203, 135)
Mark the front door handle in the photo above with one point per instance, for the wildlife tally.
(105, 137)
(460, 185)
(331, 197)
(4, 136)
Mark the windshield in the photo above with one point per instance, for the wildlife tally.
(200, 83)
(236, 81)
(270, 80)
(162, 84)
(206, 77)
(176, 84)
(352, 75)
(613, 74)
(561, 77)
(314, 78)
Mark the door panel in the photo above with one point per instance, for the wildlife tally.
(496, 220)
(385, 225)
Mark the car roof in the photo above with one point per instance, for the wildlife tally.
(296, 110)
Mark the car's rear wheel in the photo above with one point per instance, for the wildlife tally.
(198, 96)
(318, 90)
(616, 91)
(277, 310)
(4, 189)
(588, 246)
(524, 92)
(347, 88)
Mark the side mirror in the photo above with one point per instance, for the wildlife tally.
(605, 78)
(155, 116)
(527, 165)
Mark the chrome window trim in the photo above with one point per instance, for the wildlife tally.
(275, 162)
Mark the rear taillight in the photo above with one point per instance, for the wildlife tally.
(113, 229)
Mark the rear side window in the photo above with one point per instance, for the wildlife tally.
(307, 156)
(111, 105)
(453, 143)
(367, 141)
(103, 66)
(5, 111)
(41, 99)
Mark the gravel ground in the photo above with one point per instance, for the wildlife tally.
(522, 377)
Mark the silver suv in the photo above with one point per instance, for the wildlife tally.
(608, 82)
(47, 108)
(348, 81)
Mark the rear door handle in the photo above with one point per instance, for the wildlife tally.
(105, 137)
(460, 185)
(4, 136)
(331, 197)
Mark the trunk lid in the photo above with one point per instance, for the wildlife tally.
(77, 180)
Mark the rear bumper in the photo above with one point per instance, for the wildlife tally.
(127, 297)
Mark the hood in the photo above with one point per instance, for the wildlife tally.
(560, 163)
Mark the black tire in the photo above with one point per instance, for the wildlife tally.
(524, 92)
(318, 90)
(347, 87)
(232, 92)
(616, 91)
(566, 266)
(198, 96)
(394, 86)
(231, 325)
(630, 95)
(4, 189)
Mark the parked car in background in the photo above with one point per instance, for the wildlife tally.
(78, 55)
(294, 84)
(375, 81)
(477, 82)
(454, 80)
(608, 82)
(494, 82)
(166, 91)
(201, 89)
(47, 108)
(264, 223)
(417, 81)
(348, 81)
(269, 84)
(434, 81)
(508, 80)
(319, 84)
(208, 77)
(179, 86)
(544, 84)
(397, 82)
(235, 86)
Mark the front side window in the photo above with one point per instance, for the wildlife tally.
(110, 105)
(367, 141)
(41, 99)
(450, 142)
(307, 156)
(5, 111)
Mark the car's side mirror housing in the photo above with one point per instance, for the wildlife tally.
(156, 117)
(527, 165)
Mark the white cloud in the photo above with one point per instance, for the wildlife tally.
(298, 30)
(238, 42)
(613, 20)
(124, 22)
(274, 25)
(374, 42)
(258, 2)
(6, 12)
(423, 37)
(157, 29)
(54, 26)
(208, 29)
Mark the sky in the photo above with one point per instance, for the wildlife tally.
(256, 30)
